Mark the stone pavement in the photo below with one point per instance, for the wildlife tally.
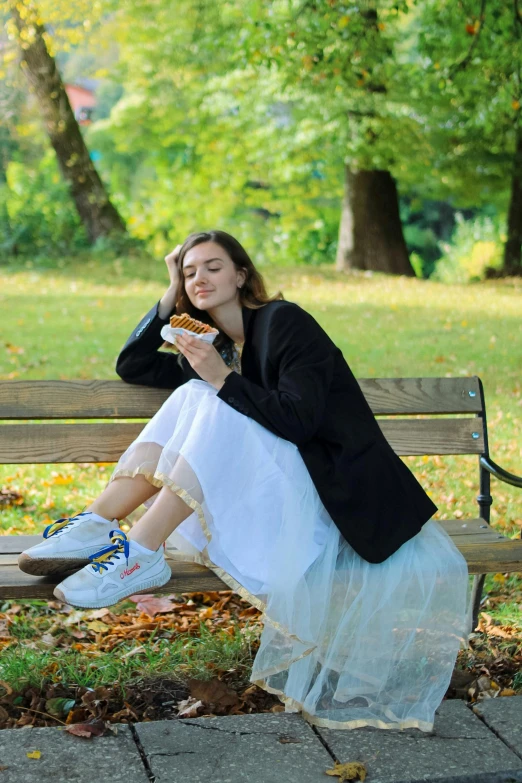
(479, 745)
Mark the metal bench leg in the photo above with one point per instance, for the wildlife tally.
(476, 595)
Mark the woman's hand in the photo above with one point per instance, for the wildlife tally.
(171, 260)
(204, 359)
(168, 300)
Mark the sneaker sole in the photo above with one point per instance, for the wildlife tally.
(42, 566)
(158, 581)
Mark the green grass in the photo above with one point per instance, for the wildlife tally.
(71, 322)
(197, 657)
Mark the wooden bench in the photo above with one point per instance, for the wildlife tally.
(84, 441)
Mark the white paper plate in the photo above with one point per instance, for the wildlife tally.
(169, 333)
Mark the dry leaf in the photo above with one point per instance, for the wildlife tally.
(152, 605)
(213, 691)
(190, 710)
(6, 687)
(97, 626)
(34, 754)
(353, 770)
(97, 613)
(89, 729)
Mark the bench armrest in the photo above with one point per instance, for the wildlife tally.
(500, 473)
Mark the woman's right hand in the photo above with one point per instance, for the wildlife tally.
(167, 302)
(171, 262)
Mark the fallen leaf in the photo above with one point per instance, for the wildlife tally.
(97, 626)
(190, 710)
(8, 497)
(134, 651)
(152, 605)
(89, 729)
(353, 770)
(34, 754)
(6, 687)
(97, 613)
(213, 691)
(49, 640)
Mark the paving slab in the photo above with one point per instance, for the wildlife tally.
(259, 748)
(460, 749)
(68, 759)
(504, 717)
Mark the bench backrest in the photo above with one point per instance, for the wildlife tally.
(95, 421)
(77, 401)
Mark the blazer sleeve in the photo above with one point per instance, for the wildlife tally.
(304, 357)
(140, 362)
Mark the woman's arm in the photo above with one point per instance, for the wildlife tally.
(305, 357)
(140, 362)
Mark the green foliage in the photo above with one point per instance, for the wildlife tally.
(242, 115)
(39, 215)
(475, 246)
(470, 94)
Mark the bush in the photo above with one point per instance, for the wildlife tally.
(38, 214)
(476, 246)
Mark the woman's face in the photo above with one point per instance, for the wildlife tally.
(210, 276)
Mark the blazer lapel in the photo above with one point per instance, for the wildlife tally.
(248, 314)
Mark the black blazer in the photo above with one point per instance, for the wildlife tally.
(297, 384)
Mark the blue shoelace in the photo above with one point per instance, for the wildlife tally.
(120, 544)
(61, 524)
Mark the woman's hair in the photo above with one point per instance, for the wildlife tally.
(252, 294)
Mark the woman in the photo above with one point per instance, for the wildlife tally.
(267, 465)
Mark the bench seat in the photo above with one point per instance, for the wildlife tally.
(94, 421)
(484, 548)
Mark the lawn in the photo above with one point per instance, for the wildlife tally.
(71, 322)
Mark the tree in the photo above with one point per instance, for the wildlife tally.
(94, 207)
(472, 55)
(345, 57)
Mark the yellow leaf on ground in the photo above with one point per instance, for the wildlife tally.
(353, 770)
(34, 754)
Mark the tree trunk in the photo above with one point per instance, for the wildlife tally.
(512, 264)
(96, 212)
(370, 232)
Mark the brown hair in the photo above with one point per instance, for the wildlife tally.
(252, 294)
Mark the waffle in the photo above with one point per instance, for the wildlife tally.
(185, 321)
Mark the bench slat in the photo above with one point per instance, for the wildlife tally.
(454, 527)
(105, 442)
(101, 399)
(24, 444)
(504, 557)
(422, 395)
(409, 437)
(186, 578)
(485, 550)
(78, 399)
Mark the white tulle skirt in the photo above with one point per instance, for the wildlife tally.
(345, 642)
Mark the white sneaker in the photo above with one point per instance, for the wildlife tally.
(68, 543)
(115, 572)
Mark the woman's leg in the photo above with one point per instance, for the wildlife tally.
(122, 496)
(158, 522)
(125, 494)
